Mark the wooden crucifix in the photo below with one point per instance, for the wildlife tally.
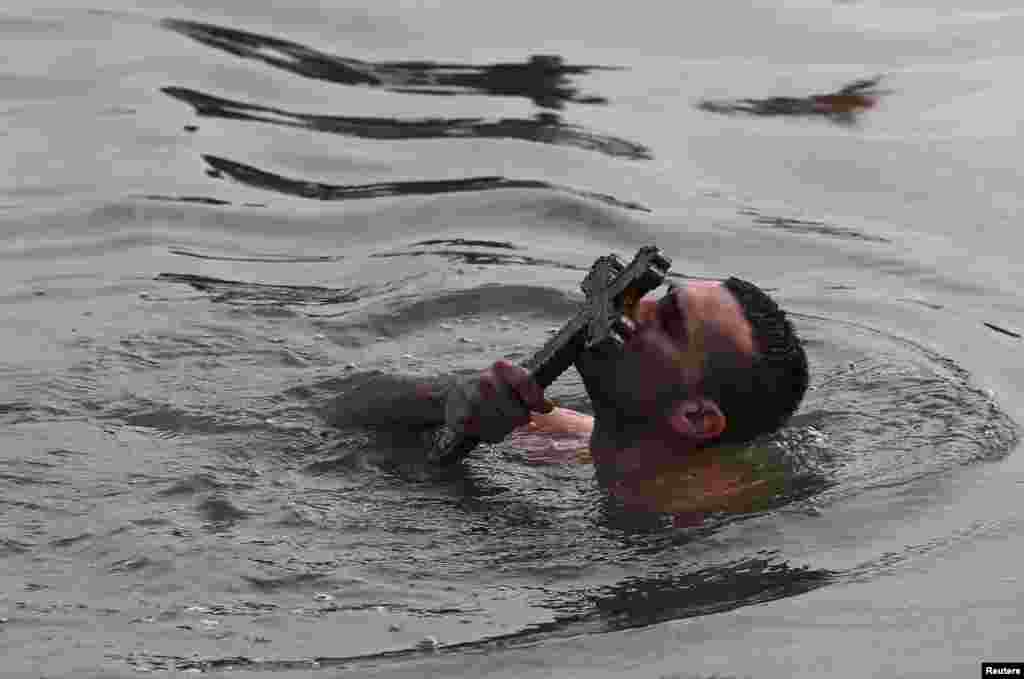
(611, 288)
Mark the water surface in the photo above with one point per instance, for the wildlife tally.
(218, 219)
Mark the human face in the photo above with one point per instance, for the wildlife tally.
(664, 359)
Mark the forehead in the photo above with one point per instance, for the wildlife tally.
(711, 306)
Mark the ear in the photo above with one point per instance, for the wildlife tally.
(697, 419)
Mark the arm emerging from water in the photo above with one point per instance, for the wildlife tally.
(489, 404)
(380, 400)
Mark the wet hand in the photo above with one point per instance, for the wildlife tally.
(491, 405)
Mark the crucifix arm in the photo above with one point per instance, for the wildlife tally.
(382, 401)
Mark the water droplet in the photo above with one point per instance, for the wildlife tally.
(465, 340)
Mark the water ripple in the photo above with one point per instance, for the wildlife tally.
(543, 79)
(544, 128)
(262, 179)
(240, 291)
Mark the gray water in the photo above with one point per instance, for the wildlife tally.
(215, 218)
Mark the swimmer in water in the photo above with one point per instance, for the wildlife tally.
(707, 365)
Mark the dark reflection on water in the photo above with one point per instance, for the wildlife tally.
(634, 602)
(199, 200)
(542, 79)
(242, 292)
(843, 107)
(477, 257)
(811, 226)
(482, 258)
(253, 176)
(545, 128)
(239, 291)
(469, 241)
(267, 258)
(545, 80)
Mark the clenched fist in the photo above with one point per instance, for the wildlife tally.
(494, 403)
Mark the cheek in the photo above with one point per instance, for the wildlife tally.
(735, 340)
(653, 363)
(655, 352)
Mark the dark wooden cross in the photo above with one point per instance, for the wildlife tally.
(611, 288)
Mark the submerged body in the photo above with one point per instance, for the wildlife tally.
(685, 486)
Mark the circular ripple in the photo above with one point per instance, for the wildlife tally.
(532, 551)
(887, 411)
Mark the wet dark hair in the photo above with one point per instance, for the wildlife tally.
(758, 399)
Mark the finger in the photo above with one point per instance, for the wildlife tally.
(485, 407)
(510, 381)
(500, 400)
(524, 386)
(507, 407)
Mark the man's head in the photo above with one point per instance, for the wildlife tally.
(709, 362)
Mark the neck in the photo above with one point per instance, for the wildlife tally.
(618, 444)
